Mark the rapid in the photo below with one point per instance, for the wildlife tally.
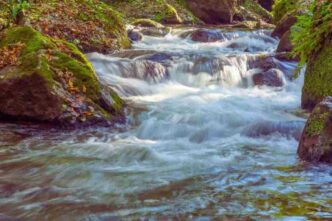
(201, 142)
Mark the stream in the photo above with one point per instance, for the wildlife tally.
(201, 142)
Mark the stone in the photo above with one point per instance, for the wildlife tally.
(214, 11)
(284, 25)
(48, 80)
(134, 35)
(316, 141)
(317, 82)
(285, 44)
(272, 78)
(206, 35)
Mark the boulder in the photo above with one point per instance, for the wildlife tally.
(316, 141)
(206, 35)
(251, 10)
(285, 44)
(318, 82)
(214, 11)
(284, 25)
(272, 78)
(262, 62)
(48, 80)
(147, 23)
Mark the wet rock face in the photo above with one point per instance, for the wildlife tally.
(46, 80)
(284, 25)
(272, 78)
(316, 141)
(214, 11)
(285, 44)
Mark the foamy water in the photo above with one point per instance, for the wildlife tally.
(201, 143)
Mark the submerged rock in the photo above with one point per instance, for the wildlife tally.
(272, 78)
(134, 35)
(316, 141)
(288, 128)
(48, 80)
(155, 32)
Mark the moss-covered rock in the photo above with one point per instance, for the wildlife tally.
(318, 77)
(163, 11)
(316, 140)
(48, 80)
(89, 24)
(251, 10)
(283, 7)
(144, 22)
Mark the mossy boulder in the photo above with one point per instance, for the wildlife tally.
(251, 10)
(89, 24)
(283, 7)
(144, 22)
(316, 140)
(318, 76)
(163, 11)
(47, 80)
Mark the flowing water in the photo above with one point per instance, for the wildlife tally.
(201, 142)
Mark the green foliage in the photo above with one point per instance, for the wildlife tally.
(282, 7)
(15, 6)
(312, 29)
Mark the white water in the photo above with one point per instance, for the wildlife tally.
(186, 151)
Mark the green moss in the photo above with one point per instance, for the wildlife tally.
(316, 122)
(164, 11)
(256, 8)
(147, 23)
(103, 24)
(118, 102)
(61, 65)
(318, 75)
(282, 7)
(312, 29)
